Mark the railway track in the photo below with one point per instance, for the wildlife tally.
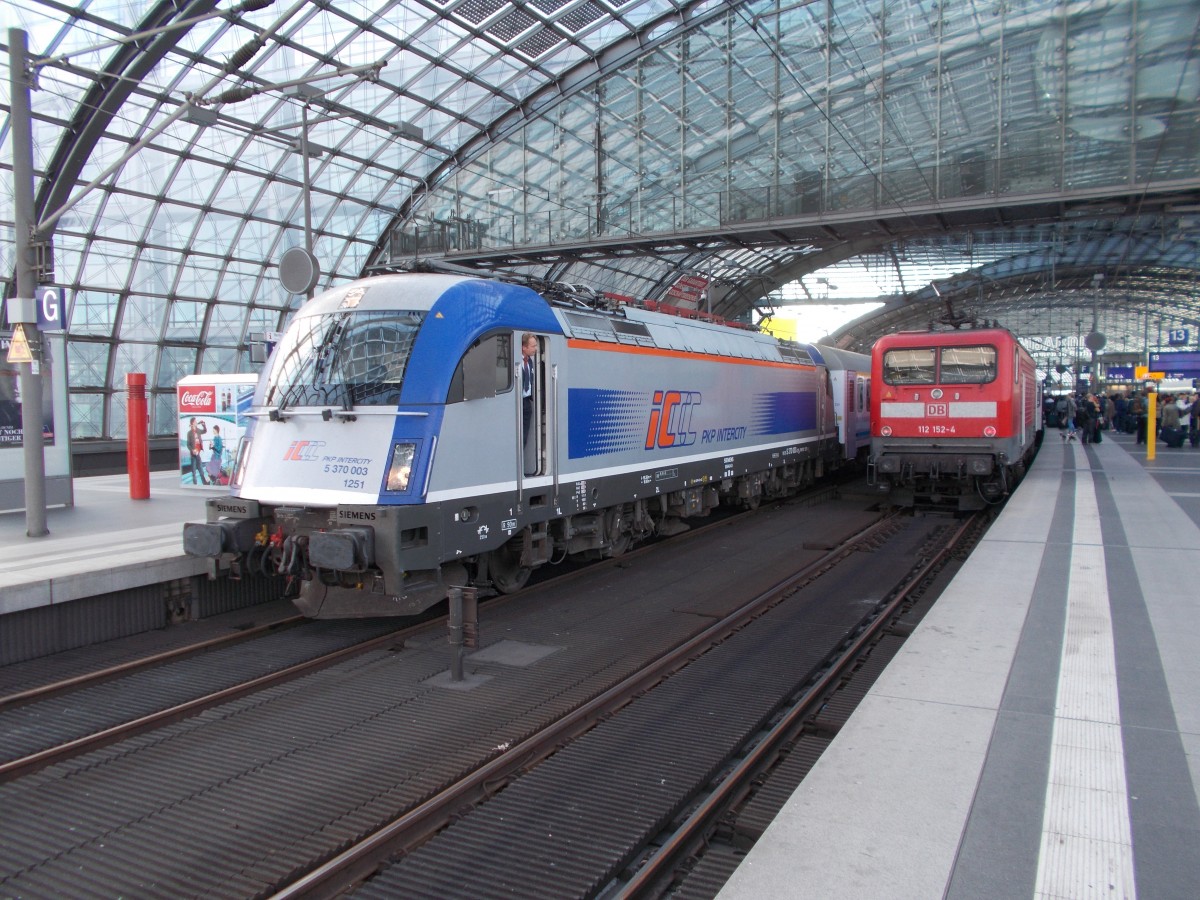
(635, 845)
(266, 788)
(57, 720)
(407, 831)
(65, 719)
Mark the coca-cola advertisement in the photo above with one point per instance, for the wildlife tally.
(198, 399)
(212, 420)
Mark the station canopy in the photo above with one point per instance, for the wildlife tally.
(1028, 162)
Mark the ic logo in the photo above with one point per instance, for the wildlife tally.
(671, 419)
(304, 451)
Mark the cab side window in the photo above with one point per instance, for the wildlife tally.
(485, 370)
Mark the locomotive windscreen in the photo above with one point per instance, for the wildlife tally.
(345, 358)
(968, 365)
(910, 366)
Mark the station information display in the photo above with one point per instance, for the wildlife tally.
(1176, 364)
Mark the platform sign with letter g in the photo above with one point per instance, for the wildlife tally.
(48, 301)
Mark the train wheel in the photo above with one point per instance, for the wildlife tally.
(504, 567)
(617, 527)
(752, 495)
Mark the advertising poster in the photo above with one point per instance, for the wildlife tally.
(11, 431)
(212, 420)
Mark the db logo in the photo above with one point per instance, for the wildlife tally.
(198, 400)
(304, 451)
(937, 409)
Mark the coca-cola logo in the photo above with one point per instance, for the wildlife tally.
(199, 399)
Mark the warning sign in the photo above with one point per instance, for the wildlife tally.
(18, 347)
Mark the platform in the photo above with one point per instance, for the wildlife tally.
(1039, 734)
(105, 542)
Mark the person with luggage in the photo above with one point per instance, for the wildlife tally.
(1169, 429)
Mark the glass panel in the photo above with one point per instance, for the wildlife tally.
(87, 415)
(87, 364)
(225, 324)
(118, 403)
(185, 320)
(142, 318)
(164, 413)
(175, 363)
(221, 361)
(93, 312)
(133, 357)
(909, 366)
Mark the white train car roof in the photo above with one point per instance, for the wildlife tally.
(839, 359)
(647, 328)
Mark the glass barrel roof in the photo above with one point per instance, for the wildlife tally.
(614, 143)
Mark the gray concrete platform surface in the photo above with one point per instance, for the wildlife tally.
(105, 542)
(1039, 734)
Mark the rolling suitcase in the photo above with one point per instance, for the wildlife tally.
(1173, 436)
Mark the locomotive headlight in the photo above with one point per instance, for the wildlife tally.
(400, 470)
(989, 431)
(886, 431)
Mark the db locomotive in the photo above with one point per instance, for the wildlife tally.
(955, 417)
(415, 432)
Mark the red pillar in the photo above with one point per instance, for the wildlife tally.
(136, 427)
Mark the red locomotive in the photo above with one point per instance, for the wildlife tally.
(955, 416)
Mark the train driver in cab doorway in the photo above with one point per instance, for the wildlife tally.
(529, 347)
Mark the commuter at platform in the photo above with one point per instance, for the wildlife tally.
(1069, 411)
(1049, 412)
(1087, 418)
(1137, 409)
(1168, 421)
(1122, 421)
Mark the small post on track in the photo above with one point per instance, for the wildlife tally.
(463, 626)
(456, 633)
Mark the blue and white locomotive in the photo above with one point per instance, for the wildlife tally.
(388, 460)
